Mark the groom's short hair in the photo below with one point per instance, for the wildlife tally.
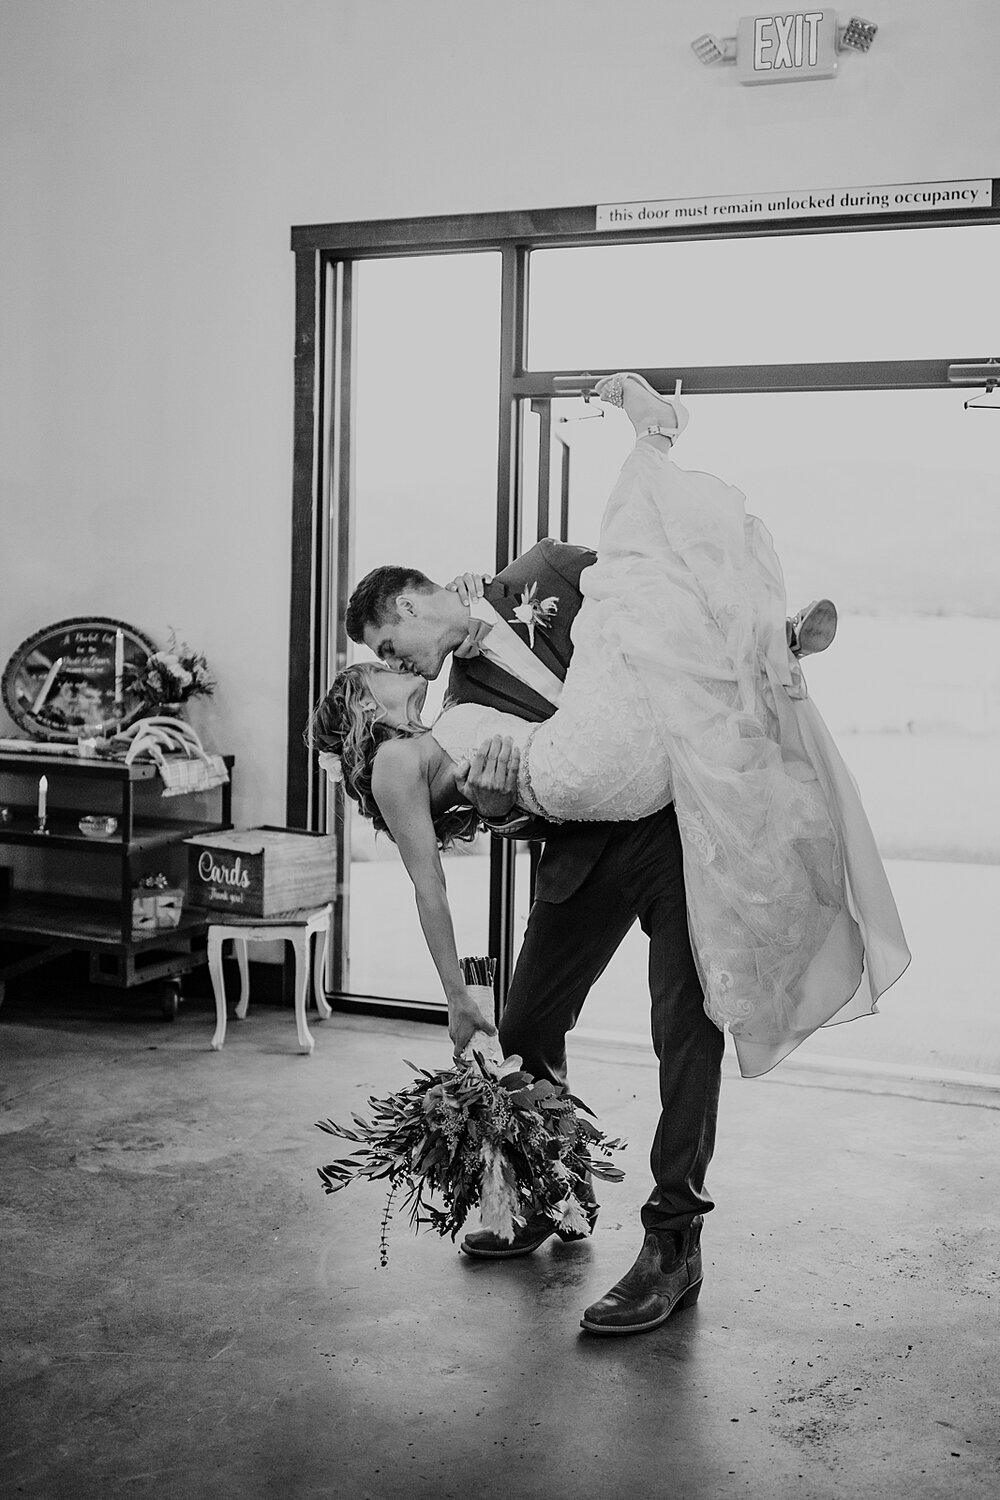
(373, 601)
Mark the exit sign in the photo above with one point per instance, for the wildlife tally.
(787, 46)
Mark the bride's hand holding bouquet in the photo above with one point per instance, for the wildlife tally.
(483, 1134)
(470, 1019)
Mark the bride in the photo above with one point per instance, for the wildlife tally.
(681, 687)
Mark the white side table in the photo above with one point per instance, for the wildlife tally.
(295, 927)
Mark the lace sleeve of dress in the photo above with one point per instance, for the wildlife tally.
(525, 791)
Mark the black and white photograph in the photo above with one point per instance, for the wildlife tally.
(499, 730)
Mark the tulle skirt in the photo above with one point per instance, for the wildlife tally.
(681, 686)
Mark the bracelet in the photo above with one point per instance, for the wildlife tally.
(510, 824)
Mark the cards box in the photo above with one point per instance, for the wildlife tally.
(260, 872)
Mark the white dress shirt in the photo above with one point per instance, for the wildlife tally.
(505, 648)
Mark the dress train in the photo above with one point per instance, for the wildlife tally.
(681, 685)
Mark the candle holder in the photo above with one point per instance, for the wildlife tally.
(40, 826)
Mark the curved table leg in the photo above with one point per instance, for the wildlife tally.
(319, 967)
(300, 977)
(241, 945)
(215, 940)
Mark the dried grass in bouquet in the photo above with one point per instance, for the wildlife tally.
(479, 1135)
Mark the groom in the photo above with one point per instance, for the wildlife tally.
(594, 880)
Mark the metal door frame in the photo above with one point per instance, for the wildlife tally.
(323, 462)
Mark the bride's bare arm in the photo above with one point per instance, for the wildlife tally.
(399, 786)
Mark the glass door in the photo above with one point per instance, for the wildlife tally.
(425, 388)
(817, 361)
(887, 502)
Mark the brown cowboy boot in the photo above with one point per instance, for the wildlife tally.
(666, 1276)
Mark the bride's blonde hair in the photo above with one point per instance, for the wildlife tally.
(347, 723)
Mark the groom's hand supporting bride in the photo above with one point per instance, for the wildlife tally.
(470, 586)
(477, 632)
(489, 781)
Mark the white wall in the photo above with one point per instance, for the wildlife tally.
(155, 154)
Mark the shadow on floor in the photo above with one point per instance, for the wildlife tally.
(188, 1315)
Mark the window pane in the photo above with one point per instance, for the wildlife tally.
(878, 295)
(426, 481)
(887, 499)
(889, 503)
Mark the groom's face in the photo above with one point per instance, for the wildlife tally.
(418, 640)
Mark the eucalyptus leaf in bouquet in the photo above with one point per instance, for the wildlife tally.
(481, 1136)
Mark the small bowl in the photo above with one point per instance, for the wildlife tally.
(93, 827)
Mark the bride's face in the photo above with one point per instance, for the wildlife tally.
(400, 695)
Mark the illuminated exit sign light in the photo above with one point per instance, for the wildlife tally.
(787, 47)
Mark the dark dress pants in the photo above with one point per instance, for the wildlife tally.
(568, 944)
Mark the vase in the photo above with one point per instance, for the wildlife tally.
(169, 904)
(143, 911)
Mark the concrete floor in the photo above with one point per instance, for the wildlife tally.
(186, 1314)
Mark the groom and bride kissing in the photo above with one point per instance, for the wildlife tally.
(642, 711)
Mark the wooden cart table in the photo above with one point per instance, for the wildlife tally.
(54, 922)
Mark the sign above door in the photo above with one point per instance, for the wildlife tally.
(786, 47)
(809, 203)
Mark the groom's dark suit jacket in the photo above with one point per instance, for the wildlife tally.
(571, 849)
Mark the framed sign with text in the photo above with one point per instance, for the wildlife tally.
(76, 678)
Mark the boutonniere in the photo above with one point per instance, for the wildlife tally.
(533, 611)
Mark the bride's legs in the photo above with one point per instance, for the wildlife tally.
(657, 419)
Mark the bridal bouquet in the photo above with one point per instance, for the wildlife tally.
(478, 1135)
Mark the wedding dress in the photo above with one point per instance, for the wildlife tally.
(681, 688)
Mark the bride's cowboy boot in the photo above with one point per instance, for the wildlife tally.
(666, 1276)
(527, 1237)
(813, 628)
(651, 414)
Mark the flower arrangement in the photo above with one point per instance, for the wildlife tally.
(477, 1135)
(172, 676)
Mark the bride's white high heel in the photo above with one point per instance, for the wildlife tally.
(645, 408)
